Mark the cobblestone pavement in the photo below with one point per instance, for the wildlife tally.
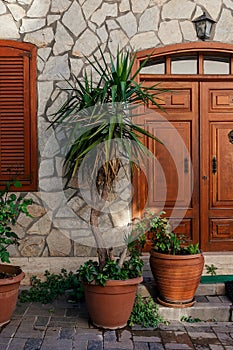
(64, 326)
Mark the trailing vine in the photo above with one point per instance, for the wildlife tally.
(53, 286)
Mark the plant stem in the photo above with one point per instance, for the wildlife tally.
(94, 221)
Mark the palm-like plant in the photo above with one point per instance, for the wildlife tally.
(100, 117)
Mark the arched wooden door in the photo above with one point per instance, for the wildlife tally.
(199, 105)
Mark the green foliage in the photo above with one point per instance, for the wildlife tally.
(165, 241)
(105, 133)
(211, 269)
(108, 119)
(11, 206)
(145, 313)
(190, 319)
(54, 285)
(90, 271)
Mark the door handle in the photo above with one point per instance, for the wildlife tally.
(186, 165)
(214, 165)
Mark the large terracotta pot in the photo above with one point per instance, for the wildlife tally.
(9, 288)
(110, 306)
(177, 277)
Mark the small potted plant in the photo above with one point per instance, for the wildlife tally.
(11, 205)
(176, 266)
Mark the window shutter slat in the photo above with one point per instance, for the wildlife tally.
(18, 149)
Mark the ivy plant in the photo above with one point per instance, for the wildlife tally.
(11, 205)
(145, 313)
(53, 286)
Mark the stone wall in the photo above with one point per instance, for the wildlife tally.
(65, 31)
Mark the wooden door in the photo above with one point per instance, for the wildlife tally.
(172, 183)
(216, 156)
(202, 114)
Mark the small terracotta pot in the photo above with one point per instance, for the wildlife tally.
(177, 277)
(110, 306)
(9, 288)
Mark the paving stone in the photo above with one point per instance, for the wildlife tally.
(146, 339)
(80, 345)
(21, 309)
(110, 336)
(83, 322)
(32, 344)
(72, 312)
(225, 338)
(4, 342)
(88, 334)
(17, 344)
(25, 331)
(41, 323)
(141, 346)
(213, 299)
(60, 344)
(156, 346)
(67, 333)
(62, 321)
(176, 346)
(9, 330)
(95, 345)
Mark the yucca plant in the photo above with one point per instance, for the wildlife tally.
(100, 117)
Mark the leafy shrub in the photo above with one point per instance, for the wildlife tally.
(145, 313)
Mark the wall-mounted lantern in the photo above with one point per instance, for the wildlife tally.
(203, 25)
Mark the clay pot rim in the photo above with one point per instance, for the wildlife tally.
(15, 279)
(175, 257)
(127, 282)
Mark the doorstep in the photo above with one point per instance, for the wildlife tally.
(210, 303)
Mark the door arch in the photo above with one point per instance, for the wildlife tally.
(199, 104)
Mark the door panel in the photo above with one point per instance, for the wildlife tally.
(216, 118)
(170, 179)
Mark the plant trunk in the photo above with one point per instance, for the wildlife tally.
(94, 221)
(101, 249)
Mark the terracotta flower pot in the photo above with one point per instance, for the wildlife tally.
(110, 306)
(9, 288)
(177, 277)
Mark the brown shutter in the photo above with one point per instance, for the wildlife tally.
(18, 136)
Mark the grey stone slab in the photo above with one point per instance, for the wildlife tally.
(67, 333)
(72, 312)
(110, 336)
(9, 330)
(80, 345)
(21, 309)
(60, 344)
(4, 342)
(156, 346)
(177, 346)
(41, 322)
(62, 321)
(225, 338)
(146, 339)
(95, 345)
(33, 344)
(17, 344)
(141, 346)
(27, 332)
(88, 334)
(213, 299)
(83, 322)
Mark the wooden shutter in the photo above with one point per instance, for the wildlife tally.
(18, 135)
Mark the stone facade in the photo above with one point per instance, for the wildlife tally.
(65, 31)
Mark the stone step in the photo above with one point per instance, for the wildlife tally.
(211, 303)
(208, 308)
